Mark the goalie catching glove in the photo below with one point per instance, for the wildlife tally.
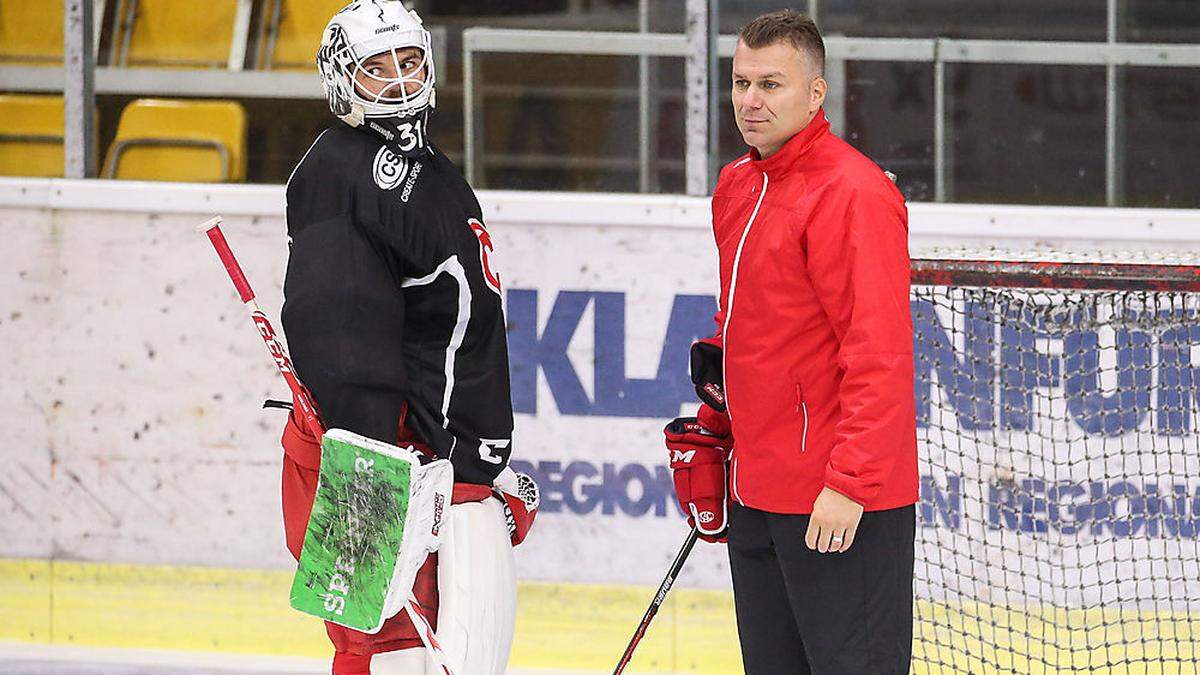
(698, 460)
(521, 499)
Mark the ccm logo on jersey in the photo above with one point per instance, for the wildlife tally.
(491, 450)
(485, 249)
(389, 169)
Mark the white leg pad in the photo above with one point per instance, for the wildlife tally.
(402, 662)
(477, 588)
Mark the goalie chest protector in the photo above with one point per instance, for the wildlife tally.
(393, 310)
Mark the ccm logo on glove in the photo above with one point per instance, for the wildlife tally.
(698, 457)
(682, 456)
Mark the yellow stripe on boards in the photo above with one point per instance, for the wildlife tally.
(584, 627)
(25, 597)
(588, 626)
(155, 607)
(559, 626)
(981, 638)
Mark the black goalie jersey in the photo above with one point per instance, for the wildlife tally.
(391, 305)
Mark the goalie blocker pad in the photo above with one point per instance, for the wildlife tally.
(378, 512)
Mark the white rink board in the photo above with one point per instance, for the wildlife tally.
(133, 379)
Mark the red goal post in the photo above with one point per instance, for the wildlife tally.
(1109, 276)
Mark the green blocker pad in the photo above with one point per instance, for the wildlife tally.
(376, 514)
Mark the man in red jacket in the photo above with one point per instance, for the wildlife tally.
(808, 382)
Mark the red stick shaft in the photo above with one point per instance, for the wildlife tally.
(300, 395)
(231, 264)
(308, 411)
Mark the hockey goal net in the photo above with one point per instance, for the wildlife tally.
(1058, 409)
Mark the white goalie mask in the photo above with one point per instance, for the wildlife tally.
(376, 28)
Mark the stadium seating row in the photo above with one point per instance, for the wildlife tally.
(156, 139)
(174, 33)
(176, 140)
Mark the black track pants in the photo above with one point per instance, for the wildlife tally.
(800, 611)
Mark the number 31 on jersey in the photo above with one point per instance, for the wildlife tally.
(411, 135)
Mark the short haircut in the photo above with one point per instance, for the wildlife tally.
(788, 26)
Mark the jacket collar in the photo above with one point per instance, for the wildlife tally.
(795, 149)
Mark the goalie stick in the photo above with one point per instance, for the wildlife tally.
(659, 598)
(308, 410)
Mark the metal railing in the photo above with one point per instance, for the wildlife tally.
(79, 80)
(937, 51)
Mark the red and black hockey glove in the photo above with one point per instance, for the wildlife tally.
(708, 376)
(707, 366)
(698, 459)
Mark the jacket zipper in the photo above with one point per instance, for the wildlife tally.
(802, 407)
(804, 434)
(737, 259)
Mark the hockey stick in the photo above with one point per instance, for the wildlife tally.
(308, 410)
(659, 598)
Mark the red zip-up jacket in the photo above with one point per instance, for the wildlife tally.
(815, 325)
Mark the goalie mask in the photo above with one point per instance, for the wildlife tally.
(376, 65)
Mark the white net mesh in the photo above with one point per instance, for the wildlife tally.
(1060, 490)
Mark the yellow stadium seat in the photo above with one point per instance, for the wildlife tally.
(192, 141)
(294, 30)
(178, 34)
(31, 31)
(31, 138)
